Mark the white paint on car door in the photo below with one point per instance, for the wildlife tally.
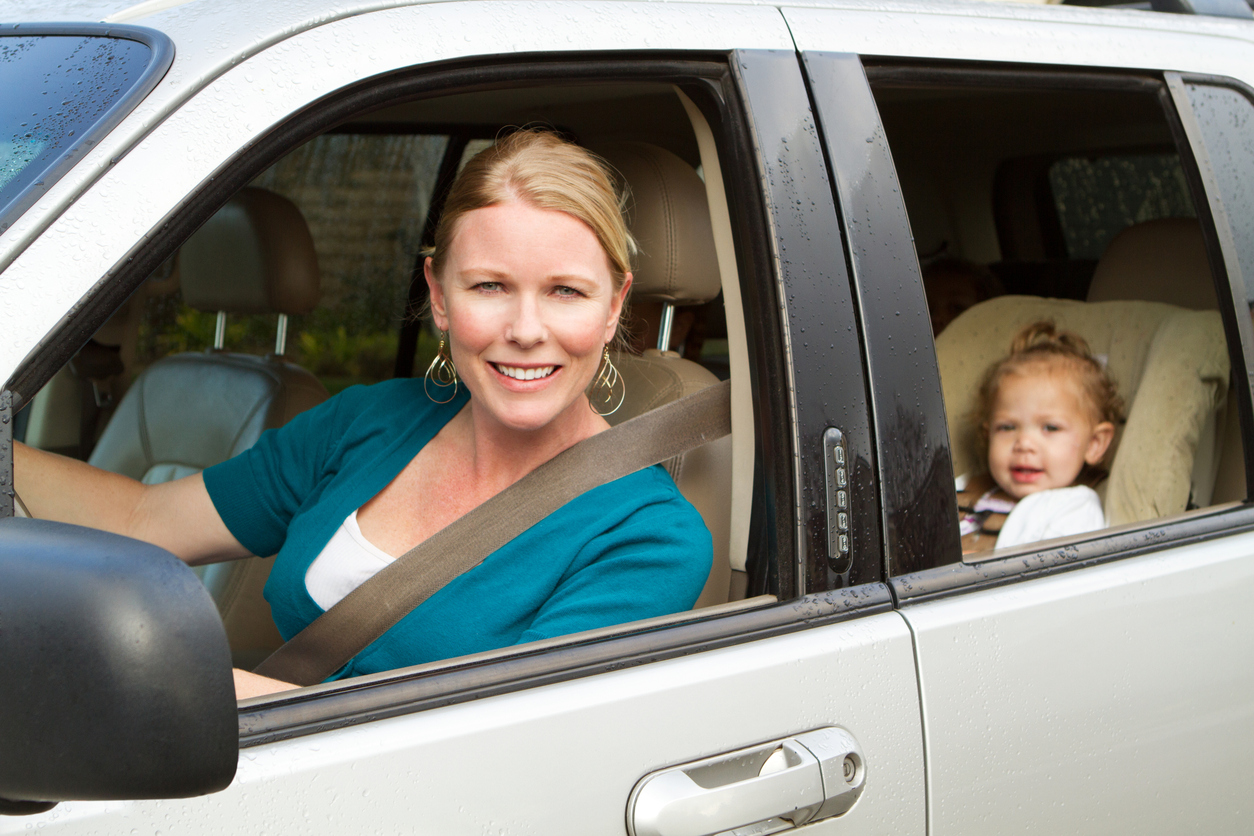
(1110, 699)
(561, 760)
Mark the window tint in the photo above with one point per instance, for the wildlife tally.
(56, 90)
(1226, 119)
(1098, 197)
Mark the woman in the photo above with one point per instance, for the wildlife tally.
(528, 277)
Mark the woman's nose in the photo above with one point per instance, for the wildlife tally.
(527, 326)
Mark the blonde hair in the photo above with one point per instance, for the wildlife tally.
(1042, 344)
(538, 167)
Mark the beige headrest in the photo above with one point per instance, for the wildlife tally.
(1169, 365)
(670, 217)
(255, 255)
(1158, 261)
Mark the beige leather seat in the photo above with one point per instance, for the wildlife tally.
(677, 265)
(1157, 261)
(189, 411)
(1169, 364)
(1165, 261)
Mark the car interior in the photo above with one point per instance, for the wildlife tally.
(308, 280)
(1064, 198)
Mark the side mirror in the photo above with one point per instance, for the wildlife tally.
(116, 672)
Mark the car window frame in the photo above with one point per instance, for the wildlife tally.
(943, 573)
(733, 90)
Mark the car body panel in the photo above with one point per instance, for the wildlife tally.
(1115, 698)
(1007, 32)
(562, 759)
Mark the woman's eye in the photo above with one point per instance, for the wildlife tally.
(563, 290)
(488, 287)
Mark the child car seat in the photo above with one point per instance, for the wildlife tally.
(1170, 366)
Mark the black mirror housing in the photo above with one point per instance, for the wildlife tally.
(116, 676)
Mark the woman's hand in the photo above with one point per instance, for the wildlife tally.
(253, 685)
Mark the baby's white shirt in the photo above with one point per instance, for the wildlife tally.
(1059, 512)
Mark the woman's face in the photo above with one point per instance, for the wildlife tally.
(528, 300)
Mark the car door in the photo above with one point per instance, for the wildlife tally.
(1089, 685)
(552, 738)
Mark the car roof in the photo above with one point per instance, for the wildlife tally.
(212, 36)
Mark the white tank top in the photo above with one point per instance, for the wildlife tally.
(345, 563)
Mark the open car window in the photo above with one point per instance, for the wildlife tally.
(1066, 199)
(369, 192)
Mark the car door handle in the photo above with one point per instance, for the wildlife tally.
(763, 789)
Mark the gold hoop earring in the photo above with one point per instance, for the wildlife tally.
(608, 379)
(442, 371)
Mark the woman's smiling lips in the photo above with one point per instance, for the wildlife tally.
(537, 375)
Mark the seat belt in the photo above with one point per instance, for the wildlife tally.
(370, 610)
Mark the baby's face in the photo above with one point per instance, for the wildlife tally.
(1040, 435)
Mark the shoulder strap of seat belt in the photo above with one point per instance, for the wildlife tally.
(367, 612)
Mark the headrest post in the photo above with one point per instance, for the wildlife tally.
(664, 327)
(280, 336)
(219, 332)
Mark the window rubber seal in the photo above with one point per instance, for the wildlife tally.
(515, 669)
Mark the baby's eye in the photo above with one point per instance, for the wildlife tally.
(1052, 428)
(1003, 428)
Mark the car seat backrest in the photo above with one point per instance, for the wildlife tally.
(1158, 261)
(669, 216)
(1165, 261)
(189, 411)
(1170, 366)
(254, 256)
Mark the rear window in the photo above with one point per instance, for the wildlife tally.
(60, 94)
(1098, 197)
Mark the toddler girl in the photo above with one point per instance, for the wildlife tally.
(1048, 413)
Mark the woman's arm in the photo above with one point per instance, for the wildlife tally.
(249, 684)
(178, 516)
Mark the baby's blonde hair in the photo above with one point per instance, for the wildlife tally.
(1042, 344)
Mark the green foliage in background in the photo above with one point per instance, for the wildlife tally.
(339, 354)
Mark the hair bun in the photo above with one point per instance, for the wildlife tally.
(1044, 336)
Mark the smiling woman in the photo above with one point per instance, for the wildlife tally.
(529, 295)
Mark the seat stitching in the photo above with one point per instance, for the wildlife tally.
(144, 444)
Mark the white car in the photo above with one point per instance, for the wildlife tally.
(847, 670)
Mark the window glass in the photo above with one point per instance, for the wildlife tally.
(365, 198)
(1226, 118)
(1098, 197)
(56, 88)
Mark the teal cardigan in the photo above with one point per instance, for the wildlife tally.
(630, 549)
